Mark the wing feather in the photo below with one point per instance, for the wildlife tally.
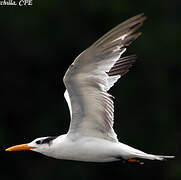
(92, 74)
(122, 66)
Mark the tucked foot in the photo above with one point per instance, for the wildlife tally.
(134, 161)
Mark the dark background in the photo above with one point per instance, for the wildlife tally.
(39, 42)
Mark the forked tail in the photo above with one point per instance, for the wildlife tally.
(153, 157)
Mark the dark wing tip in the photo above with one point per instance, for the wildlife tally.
(122, 66)
(119, 34)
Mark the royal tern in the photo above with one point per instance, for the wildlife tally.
(91, 136)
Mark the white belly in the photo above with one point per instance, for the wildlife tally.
(87, 149)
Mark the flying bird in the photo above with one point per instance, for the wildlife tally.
(91, 136)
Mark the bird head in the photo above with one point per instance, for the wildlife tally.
(38, 145)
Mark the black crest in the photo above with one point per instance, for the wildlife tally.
(47, 140)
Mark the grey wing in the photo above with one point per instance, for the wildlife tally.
(90, 77)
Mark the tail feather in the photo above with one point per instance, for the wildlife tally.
(160, 157)
(154, 157)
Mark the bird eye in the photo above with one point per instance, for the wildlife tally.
(38, 142)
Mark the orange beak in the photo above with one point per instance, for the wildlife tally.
(22, 147)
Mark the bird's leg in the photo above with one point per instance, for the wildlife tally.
(135, 161)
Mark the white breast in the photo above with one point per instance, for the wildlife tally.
(90, 149)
